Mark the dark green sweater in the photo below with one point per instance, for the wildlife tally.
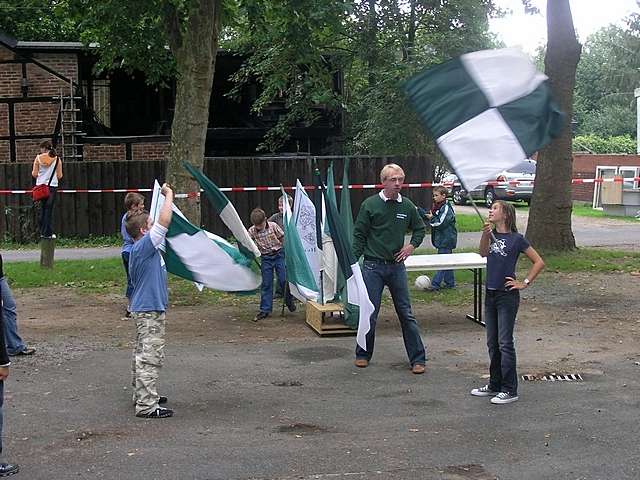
(381, 226)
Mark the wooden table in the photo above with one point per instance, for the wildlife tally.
(454, 261)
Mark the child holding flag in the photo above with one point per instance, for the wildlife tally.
(148, 305)
(503, 298)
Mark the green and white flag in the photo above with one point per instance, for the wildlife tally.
(202, 257)
(304, 218)
(356, 289)
(226, 210)
(488, 110)
(301, 278)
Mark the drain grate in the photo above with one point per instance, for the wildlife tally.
(553, 377)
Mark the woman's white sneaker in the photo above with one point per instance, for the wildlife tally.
(483, 392)
(504, 397)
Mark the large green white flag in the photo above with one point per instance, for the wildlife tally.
(202, 257)
(304, 218)
(226, 210)
(356, 288)
(301, 278)
(488, 110)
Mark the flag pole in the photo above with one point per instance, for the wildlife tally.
(317, 180)
(475, 207)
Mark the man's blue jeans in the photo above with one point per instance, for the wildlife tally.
(14, 342)
(501, 308)
(443, 275)
(1, 413)
(268, 265)
(394, 275)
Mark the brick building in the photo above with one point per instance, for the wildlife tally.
(587, 165)
(119, 117)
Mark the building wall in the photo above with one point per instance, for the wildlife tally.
(584, 166)
(36, 118)
(104, 152)
(150, 151)
(118, 152)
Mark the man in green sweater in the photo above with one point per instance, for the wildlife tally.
(379, 233)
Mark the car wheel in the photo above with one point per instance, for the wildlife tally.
(459, 197)
(489, 197)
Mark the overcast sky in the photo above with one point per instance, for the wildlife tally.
(529, 31)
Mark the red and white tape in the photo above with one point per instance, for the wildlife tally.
(575, 181)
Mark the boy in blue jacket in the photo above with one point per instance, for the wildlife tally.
(444, 234)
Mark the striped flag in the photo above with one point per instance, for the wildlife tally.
(488, 110)
(226, 210)
(356, 289)
(304, 218)
(351, 313)
(202, 257)
(301, 278)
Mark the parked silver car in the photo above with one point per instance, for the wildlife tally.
(514, 184)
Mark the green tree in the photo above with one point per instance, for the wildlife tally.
(38, 20)
(163, 38)
(295, 47)
(607, 74)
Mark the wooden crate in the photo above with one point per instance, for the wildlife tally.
(327, 319)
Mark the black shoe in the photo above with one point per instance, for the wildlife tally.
(260, 316)
(26, 351)
(7, 469)
(159, 412)
(291, 306)
(162, 399)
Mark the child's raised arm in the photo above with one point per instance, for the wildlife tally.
(164, 218)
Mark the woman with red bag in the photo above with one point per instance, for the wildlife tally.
(47, 170)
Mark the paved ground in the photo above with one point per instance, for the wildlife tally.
(300, 410)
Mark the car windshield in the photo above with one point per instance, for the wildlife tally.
(524, 167)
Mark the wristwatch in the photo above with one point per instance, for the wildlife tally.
(527, 281)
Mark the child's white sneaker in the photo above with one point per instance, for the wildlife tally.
(504, 397)
(483, 392)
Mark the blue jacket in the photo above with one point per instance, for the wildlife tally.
(444, 233)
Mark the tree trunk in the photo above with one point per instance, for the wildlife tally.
(194, 48)
(549, 224)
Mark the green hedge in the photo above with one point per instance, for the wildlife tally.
(597, 144)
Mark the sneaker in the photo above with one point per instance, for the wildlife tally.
(26, 351)
(260, 316)
(504, 397)
(7, 469)
(159, 412)
(483, 392)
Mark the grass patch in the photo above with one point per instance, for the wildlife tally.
(590, 260)
(468, 222)
(106, 276)
(70, 242)
(585, 210)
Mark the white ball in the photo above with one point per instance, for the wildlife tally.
(423, 282)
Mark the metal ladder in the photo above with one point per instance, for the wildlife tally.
(70, 148)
